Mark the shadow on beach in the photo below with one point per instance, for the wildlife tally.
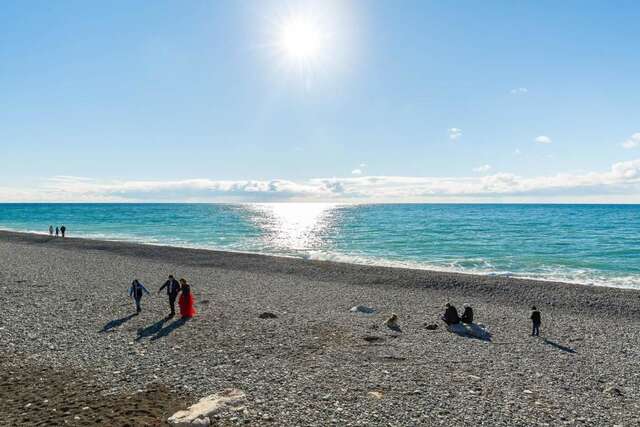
(163, 332)
(560, 346)
(151, 329)
(116, 322)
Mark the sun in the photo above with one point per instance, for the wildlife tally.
(309, 42)
(302, 41)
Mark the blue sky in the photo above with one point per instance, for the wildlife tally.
(405, 101)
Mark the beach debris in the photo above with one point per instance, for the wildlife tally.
(431, 327)
(376, 394)
(199, 413)
(392, 323)
(372, 338)
(267, 315)
(362, 309)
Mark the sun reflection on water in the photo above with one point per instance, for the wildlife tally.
(293, 226)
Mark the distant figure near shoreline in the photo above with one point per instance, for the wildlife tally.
(57, 231)
(63, 229)
(51, 230)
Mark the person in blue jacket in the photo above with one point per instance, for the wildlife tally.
(136, 291)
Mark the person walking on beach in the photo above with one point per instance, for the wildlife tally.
(186, 302)
(63, 229)
(57, 231)
(51, 230)
(136, 291)
(450, 316)
(173, 287)
(467, 316)
(536, 320)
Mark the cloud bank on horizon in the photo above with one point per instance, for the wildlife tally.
(621, 183)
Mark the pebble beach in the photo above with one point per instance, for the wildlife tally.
(74, 354)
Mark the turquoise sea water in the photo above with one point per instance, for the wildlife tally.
(589, 244)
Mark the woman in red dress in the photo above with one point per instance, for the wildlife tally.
(186, 302)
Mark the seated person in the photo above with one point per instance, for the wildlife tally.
(450, 315)
(467, 316)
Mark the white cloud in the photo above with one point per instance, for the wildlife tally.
(632, 142)
(620, 183)
(517, 152)
(356, 172)
(482, 169)
(363, 165)
(543, 139)
(519, 91)
(454, 134)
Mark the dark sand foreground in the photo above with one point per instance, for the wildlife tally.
(72, 354)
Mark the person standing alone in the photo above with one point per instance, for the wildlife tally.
(135, 291)
(536, 320)
(173, 287)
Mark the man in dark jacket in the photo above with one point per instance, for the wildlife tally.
(173, 287)
(536, 320)
(451, 315)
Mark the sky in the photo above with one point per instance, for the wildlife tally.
(346, 101)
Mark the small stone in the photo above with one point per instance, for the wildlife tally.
(375, 394)
(267, 315)
(614, 391)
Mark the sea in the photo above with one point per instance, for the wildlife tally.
(595, 245)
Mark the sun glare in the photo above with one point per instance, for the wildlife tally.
(310, 42)
(301, 39)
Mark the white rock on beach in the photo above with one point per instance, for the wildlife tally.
(198, 414)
